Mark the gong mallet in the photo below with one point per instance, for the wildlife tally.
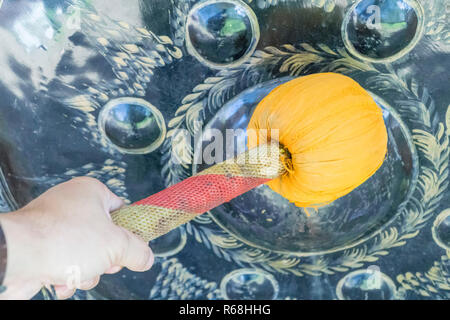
(332, 138)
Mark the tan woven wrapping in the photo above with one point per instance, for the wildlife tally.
(178, 204)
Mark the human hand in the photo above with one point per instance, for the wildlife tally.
(66, 238)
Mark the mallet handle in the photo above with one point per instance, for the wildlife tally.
(158, 214)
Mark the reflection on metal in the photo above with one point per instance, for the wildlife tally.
(381, 31)
(53, 95)
(221, 33)
(249, 284)
(132, 125)
(441, 229)
(367, 284)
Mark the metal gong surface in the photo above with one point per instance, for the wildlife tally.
(121, 90)
(275, 224)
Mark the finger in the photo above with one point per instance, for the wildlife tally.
(137, 255)
(111, 201)
(114, 202)
(113, 269)
(21, 291)
(89, 284)
(63, 292)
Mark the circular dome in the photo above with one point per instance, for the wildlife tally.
(221, 33)
(441, 229)
(382, 30)
(249, 284)
(367, 284)
(132, 125)
(169, 244)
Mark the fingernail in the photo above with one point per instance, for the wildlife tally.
(113, 269)
(63, 293)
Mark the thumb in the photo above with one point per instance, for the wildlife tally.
(114, 202)
(137, 255)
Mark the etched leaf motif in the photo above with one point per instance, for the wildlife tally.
(428, 144)
(434, 283)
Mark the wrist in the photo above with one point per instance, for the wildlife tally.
(21, 246)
